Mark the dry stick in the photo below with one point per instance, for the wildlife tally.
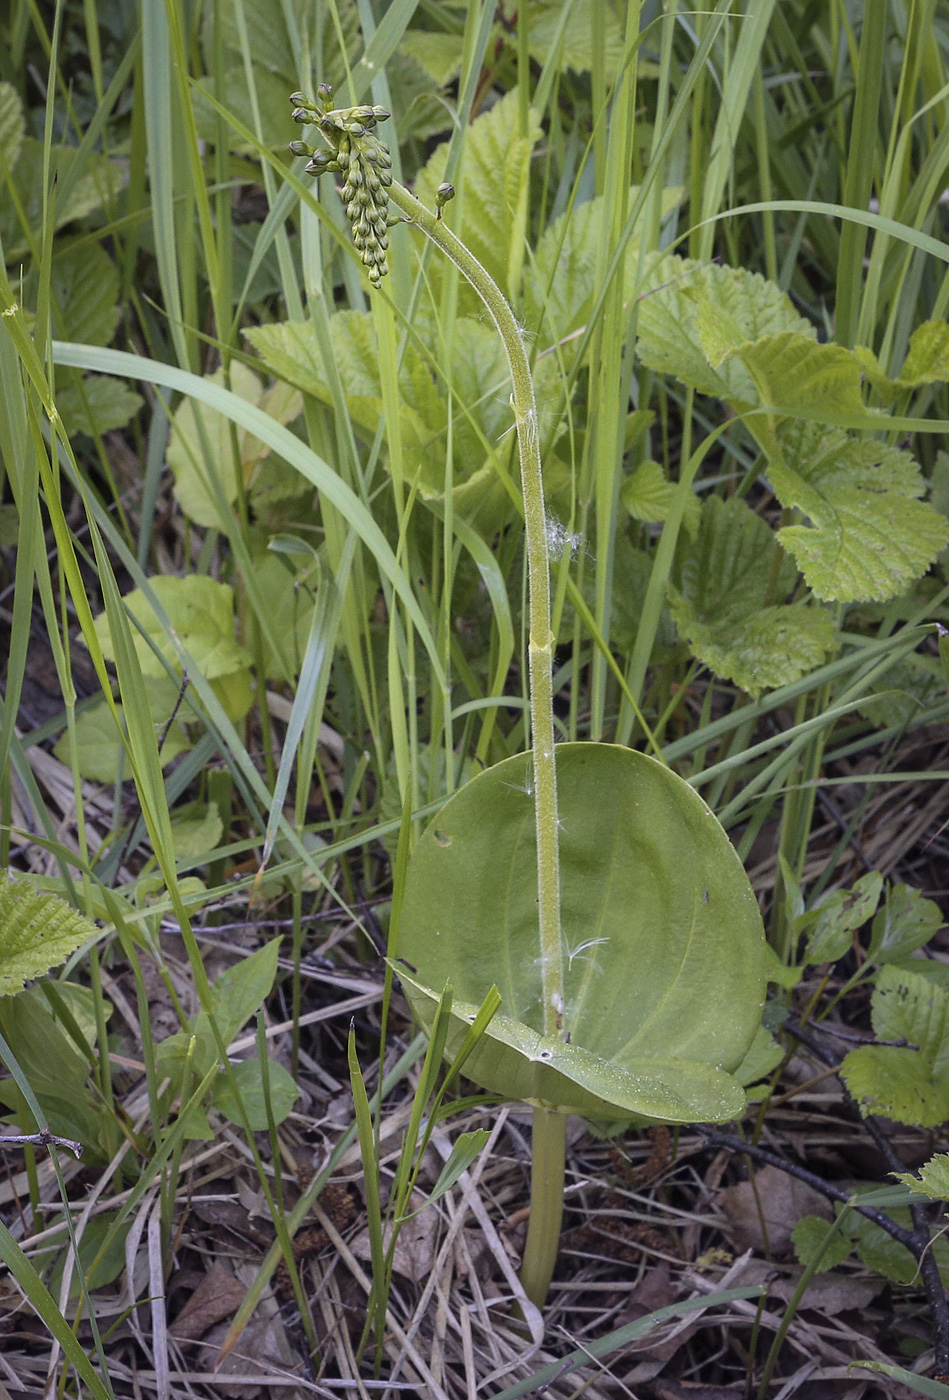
(921, 1241)
(917, 1240)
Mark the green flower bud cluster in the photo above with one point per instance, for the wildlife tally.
(362, 159)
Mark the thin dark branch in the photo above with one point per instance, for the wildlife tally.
(909, 1238)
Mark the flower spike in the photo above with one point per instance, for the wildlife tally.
(357, 154)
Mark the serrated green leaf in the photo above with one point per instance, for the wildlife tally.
(933, 1178)
(37, 932)
(791, 371)
(102, 179)
(809, 1236)
(838, 918)
(671, 329)
(270, 92)
(274, 37)
(894, 1082)
(201, 612)
(482, 415)
(647, 495)
(906, 922)
(910, 684)
(12, 124)
(283, 1094)
(907, 1007)
(880, 1251)
(84, 283)
(870, 536)
(576, 47)
(493, 181)
(727, 598)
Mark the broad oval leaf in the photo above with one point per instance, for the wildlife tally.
(664, 951)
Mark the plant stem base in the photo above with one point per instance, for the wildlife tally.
(547, 1181)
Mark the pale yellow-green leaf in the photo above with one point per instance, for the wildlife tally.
(576, 45)
(201, 450)
(100, 754)
(201, 613)
(37, 932)
(933, 1179)
(870, 536)
(896, 1082)
(728, 598)
(197, 836)
(647, 495)
(439, 54)
(689, 303)
(560, 281)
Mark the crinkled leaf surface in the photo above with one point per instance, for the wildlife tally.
(96, 404)
(933, 1179)
(694, 310)
(896, 1083)
(439, 54)
(489, 213)
(870, 536)
(809, 1235)
(728, 596)
(201, 612)
(37, 932)
(12, 124)
(102, 178)
(648, 495)
(274, 36)
(576, 47)
(791, 371)
(908, 1007)
(664, 965)
(480, 382)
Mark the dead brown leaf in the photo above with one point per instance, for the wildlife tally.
(218, 1295)
(761, 1215)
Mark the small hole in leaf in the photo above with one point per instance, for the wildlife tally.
(442, 838)
(546, 1055)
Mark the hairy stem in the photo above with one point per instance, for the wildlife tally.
(549, 1128)
(540, 648)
